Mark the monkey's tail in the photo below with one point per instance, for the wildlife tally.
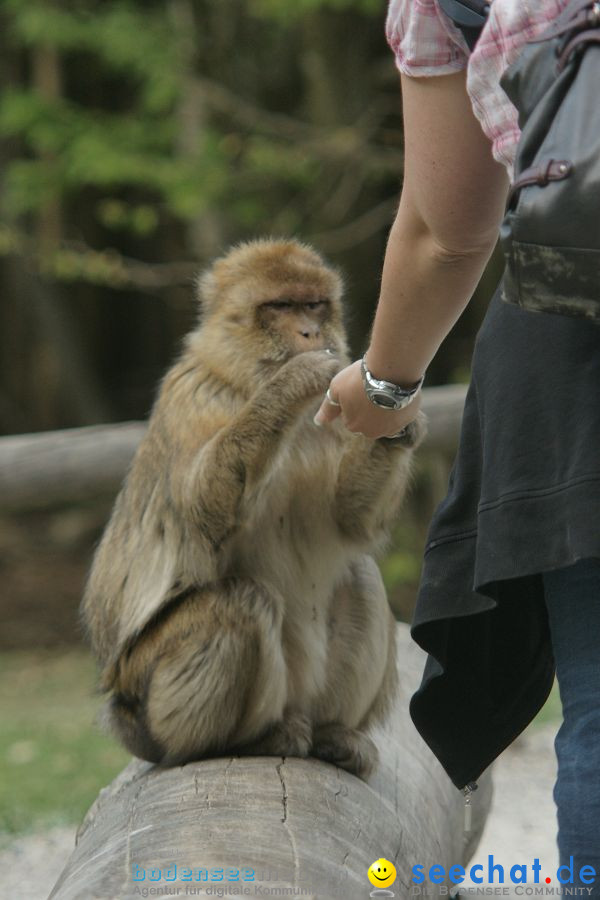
(124, 717)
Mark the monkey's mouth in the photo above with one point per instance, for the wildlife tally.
(283, 356)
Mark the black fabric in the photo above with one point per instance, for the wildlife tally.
(523, 498)
(469, 16)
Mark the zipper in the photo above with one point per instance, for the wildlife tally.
(467, 791)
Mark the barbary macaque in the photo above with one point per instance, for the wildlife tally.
(233, 603)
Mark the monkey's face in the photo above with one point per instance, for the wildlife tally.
(274, 299)
(297, 322)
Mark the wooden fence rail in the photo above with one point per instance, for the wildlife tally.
(40, 471)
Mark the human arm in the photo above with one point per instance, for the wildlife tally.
(446, 227)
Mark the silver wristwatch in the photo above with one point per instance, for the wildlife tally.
(385, 394)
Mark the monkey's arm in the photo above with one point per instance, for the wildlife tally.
(211, 489)
(371, 482)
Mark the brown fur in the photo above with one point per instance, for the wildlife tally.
(233, 604)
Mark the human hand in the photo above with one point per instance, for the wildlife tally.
(358, 413)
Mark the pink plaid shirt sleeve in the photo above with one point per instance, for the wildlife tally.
(425, 43)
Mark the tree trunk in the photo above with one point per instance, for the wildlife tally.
(302, 827)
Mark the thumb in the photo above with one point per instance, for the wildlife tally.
(327, 412)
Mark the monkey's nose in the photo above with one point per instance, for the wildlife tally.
(310, 333)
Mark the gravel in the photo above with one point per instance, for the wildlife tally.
(31, 864)
(522, 823)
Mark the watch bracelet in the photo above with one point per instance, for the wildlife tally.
(396, 390)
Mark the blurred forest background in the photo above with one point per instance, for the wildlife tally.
(138, 139)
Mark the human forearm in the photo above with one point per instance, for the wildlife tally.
(447, 224)
(424, 290)
(451, 208)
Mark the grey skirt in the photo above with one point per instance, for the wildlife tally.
(523, 498)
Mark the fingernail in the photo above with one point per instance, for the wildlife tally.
(318, 420)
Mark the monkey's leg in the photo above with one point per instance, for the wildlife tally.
(205, 676)
(345, 747)
(372, 480)
(292, 736)
(361, 670)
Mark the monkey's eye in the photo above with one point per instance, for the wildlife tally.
(280, 304)
(315, 304)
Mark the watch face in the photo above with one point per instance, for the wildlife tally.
(384, 400)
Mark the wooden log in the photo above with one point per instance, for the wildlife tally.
(41, 471)
(293, 827)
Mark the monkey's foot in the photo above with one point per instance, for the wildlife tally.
(290, 737)
(345, 747)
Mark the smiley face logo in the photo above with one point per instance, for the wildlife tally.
(382, 873)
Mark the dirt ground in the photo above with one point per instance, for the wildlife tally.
(44, 559)
(521, 826)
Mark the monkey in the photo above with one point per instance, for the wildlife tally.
(233, 602)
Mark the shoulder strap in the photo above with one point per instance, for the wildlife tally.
(468, 15)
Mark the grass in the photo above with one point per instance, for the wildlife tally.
(551, 711)
(53, 758)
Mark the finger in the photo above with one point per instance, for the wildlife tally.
(326, 413)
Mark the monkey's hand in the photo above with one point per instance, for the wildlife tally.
(304, 376)
(411, 435)
(215, 483)
(372, 481)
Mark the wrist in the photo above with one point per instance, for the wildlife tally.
(386, 394)
(406, 377)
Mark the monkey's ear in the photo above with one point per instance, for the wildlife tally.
(206, 290)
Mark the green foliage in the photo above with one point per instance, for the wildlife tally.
(106, 151)
(140, 218)
(269, 160)
(141, 117)
(68, 146)
(402, 564)
(130, 40)
(34, 23)
(400, 567)
(284, 10)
